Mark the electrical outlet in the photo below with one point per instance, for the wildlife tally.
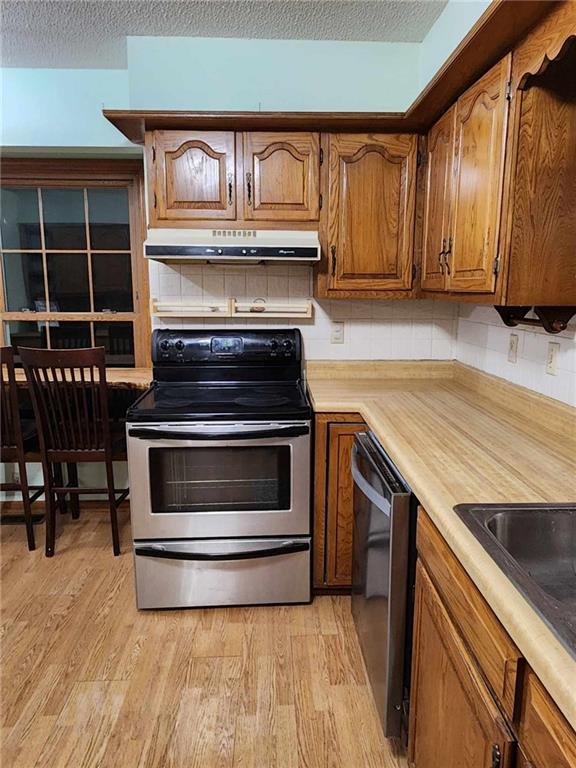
(337, 334)
(513, 348)
(552, 358)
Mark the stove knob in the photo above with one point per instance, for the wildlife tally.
(164, 344)
(274, 345)
(287, 344)
(220, 251)
(179, 345)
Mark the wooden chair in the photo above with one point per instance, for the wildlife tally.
(15, 438)
(70, 399)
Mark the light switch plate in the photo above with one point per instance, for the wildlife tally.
(513, 348)
(337, 333)
(552, 358)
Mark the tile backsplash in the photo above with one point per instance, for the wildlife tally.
(482, 341)
(372, 329)
(377, 329)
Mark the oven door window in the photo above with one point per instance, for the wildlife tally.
(227, 479)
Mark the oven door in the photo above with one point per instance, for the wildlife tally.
(219, 479)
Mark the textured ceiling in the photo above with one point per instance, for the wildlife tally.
(92, 33)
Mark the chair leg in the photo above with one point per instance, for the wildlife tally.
(74, 497)
(113, 507)
(59, 480)
(50, 512)
(26, 505)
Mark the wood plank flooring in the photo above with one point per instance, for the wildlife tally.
(88, 681)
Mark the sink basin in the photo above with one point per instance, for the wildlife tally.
(535, 546)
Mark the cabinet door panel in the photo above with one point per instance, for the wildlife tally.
(480, 138)
(372, 210)
(340, 504)
(543, 208)
(195, 175)
(544, 734)
(282, 176)
(437, 202)
(454, 722)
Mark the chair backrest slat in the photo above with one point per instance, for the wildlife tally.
(70, 398)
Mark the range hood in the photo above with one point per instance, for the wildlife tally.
(231, 245)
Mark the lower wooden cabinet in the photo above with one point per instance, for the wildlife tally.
(333, 498)
(546, 738)
(474, 702)
(454, 721)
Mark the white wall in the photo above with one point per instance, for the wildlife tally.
(482, 341)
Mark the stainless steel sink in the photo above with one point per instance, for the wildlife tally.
(535, 546)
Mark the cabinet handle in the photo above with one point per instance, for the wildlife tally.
(249, 187)
(441, 255)
(496, 756)
(333, 252)
(446, 254)
(230, 177)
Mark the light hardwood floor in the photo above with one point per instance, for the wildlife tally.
(87, 680)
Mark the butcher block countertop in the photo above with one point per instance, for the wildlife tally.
(461, 436)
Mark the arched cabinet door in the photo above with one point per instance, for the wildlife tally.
(437, 191)
(480, 142)
(371, 211)
(194, 176)
(281, 176)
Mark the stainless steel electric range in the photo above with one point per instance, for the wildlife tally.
(219, 463)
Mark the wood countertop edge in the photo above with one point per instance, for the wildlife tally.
(549, 659)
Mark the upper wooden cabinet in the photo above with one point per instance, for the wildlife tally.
(541, 243)
(436, 215)
(371, 210)
(479, 150)
(196, 177)
(281, 176)
(192, 176)
(463, 192)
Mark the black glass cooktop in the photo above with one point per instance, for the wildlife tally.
(196, 401)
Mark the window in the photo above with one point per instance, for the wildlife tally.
(71, 257)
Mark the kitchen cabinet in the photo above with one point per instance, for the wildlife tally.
(541, 237)
(471, 257)
(464, 186)
(333, 499)
(369, 233)
(281, 176)
(437, 202)
(546, 738)
(192, 176)
(503, 231)
(454, 720)
(208, 176)
(466, 671)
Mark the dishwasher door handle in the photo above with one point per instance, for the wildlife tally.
(371, 493)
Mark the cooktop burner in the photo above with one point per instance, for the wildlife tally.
(193, 401)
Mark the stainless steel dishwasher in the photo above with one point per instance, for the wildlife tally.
(383, 578)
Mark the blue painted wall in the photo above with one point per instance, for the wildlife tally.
(210, 73)
(61, 107)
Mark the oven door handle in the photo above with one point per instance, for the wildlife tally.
(171, 554)
(256, 434)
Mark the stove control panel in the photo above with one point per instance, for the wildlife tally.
(181, 347)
